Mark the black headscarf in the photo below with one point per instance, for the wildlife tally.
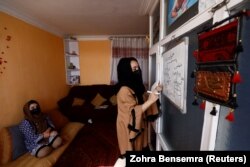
(126, 77)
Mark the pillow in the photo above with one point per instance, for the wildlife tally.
(18, 145)
(113, 100)
(78, 102)
(11, 144)
(98, 100)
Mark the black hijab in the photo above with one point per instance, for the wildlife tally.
(126, 77)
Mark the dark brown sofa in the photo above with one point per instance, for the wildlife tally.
(87, 102)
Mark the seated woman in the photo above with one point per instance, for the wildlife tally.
(39, 134)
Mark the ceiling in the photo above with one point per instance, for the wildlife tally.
(84, 17)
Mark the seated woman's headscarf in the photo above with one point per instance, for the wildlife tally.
(35, 117)
(132, 79)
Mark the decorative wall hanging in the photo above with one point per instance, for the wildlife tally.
(216, 73)
(4, 46)
(213, 83)
(218, 45)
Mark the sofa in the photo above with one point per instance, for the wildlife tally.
(12, 148)
(89, 103)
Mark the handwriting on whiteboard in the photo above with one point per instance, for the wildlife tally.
(174, 73)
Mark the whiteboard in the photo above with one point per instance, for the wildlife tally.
(174, 76)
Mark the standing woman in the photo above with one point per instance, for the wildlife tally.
(134, 107)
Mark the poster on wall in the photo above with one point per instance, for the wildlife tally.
(174, 76)
(177, 7)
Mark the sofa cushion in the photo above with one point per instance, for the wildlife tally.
(18, 145)
(98, 100)
(78, 102)
(12, 144)
(113, 100)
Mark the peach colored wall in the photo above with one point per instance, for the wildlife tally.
(95, 62)
(34, 69)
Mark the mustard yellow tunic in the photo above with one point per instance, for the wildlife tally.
(131, 121)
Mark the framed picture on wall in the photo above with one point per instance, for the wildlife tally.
(178, 12)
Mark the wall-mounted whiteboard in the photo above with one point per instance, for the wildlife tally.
(174, 76)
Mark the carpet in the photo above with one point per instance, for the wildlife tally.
(95, 145)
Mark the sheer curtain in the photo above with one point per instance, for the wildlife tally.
(130, 47)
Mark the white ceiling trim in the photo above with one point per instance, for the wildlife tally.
(146, 6)
(28, 19)
(103, 37)
(92, 38)
(153, 7)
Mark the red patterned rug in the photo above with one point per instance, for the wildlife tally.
(95, 145)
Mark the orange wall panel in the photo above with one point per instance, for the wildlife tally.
(95, 62)
(34, 69)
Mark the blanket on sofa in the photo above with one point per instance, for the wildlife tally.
(95, 145)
